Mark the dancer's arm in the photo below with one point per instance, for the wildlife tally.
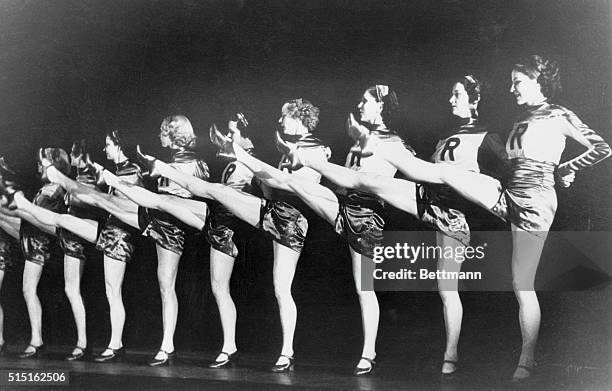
(597, 148)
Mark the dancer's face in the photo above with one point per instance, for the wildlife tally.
(525, 89)
(234, 132)
(112, 150)
(460, 102)
(369, 109)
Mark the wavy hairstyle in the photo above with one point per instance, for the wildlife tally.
(546, 71)
(178, 128)
(303, 110)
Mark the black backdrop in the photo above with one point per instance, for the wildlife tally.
(71, 69)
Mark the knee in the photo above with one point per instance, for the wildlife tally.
(366, 296)
(450, 298)
(29, 291)
(166, 287)
(72, 290)
(113, 291)
(220, 288)
(282, 293)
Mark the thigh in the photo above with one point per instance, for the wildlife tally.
(114, 270)
(400, 194)
(167, 263)
(221, 266)
(319, 198)
(526, 253)
(285, 263)
(31, 273)
(73, 269)
(480, 189)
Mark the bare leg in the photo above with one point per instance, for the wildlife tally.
(124, 209)
(272, 176)
(221, 266)
(453, 310)
(85, 228)
(114, 271)
(477, 188)
(167, 267)
(31, 276)
(285, 263)
(526, 252)
(73, 271)
(370, 311)
(148, 199)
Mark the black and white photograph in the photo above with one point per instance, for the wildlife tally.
(312, 195)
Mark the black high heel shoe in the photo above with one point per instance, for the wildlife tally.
(116, 354)
(230, 361)
(224, 143)
(288, 367)
(79, 356)
(168, 360)
(360, 371)
(147, 160)
(36, 353)
(290, 151)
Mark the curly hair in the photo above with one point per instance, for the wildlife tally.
(472, 85)
(383, 93)
(304, 110)
(546, 71)
(59, 158)
(179, 130)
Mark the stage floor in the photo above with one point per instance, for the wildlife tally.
(190, 372)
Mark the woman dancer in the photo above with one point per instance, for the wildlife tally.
(74, 248)
(36, 242)
(280, 214)
(528, 201)
(168, 232)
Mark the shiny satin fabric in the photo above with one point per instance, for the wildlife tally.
(224, 230)
(433, 209)
(529, 200)
(6, 252)
(166, 230)
(284, 223)
(359, 221)
(115, 240)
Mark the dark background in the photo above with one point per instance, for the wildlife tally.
(72, 69)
